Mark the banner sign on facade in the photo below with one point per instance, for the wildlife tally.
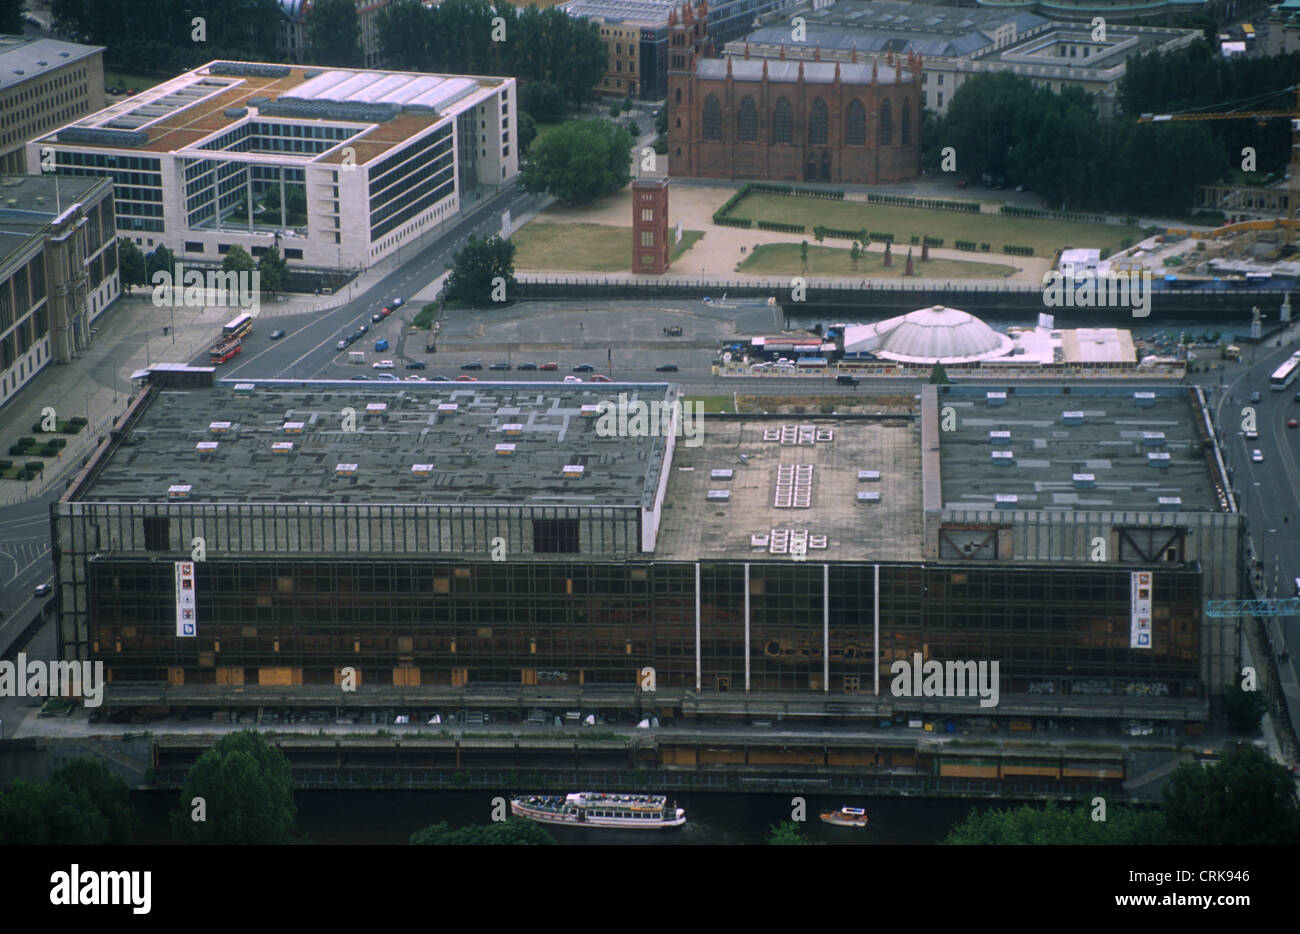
(186, 624)
(1141, 584)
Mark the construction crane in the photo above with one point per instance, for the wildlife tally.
(1293, 178)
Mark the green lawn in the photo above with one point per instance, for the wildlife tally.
(714, 404)
(582, 247)
(1045, 236)
(783, 259)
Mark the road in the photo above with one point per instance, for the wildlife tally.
(24, 562)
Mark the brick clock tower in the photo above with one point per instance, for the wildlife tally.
(651, 240)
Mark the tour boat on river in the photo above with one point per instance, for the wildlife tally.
(595, 809)
(846, 817)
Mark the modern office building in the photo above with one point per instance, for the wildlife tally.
(814, 121)
(43, 83)
(958, 42)
(58, 271)
(337, 168)
(636, 37)
(446, 538)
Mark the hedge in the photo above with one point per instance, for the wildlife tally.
(33, 466)
(26, 441)
(5, 465)
(932, 241)
(57, 443)
(1012, 211)
(971, 207)
(766, 189)
(732, 221)
(916, 241)
(782, 228)
(984, 247)
(965, 245)
(1018, 250)
(880, 237)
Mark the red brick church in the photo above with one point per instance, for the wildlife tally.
(793, 121)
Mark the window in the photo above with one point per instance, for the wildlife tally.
(647, 214)
(292, 254)
(647, 238)
(782, 122)
(886, 128)
(855, 124)
(647, 259)
(555, 536)
(192, 246)
(677, 99)
(157, 533)
(747, 121)
(711, 123)
(818, 120)
(905, 124)
(940, 101)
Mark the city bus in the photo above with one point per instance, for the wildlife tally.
(1285, 375)
(240, 327)
(226, 348)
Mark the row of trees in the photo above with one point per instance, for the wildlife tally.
(1244, 799)
(136, 268)
(161, 35)
(1056, 145)
(546, 48)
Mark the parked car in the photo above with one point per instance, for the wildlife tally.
(362, 328)
(472, 365)
(846, 380)
(277, 334)
(440, 379)
(599, 378)
(397, 302)
(466, 379)
(1254, 396)
(549, 366)
(666, 368)
(583, 368)
(361, 376)
(385, 312)
(417, 365)
(391, 377)
(381, 345)
(573, 379)
(1291, 423)
(376, 318)
(1257, 456)
(383, 365)
(342, 345)
(1252, 435)
(527, 366)
(499, 365)
(416, 379)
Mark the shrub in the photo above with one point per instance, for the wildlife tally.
(17, 450)
(78, 420)
(1018, 250)
(22, 475)
(47, 451)
(880, 237)
(984, 247)
(781, 228)
(916, 241)
(1126, 243)
(34, 466)
(58, 443)
(932, 241)
(26, 441)
(732, 221)
(1105, 252)
(36, 428)
(6, 464)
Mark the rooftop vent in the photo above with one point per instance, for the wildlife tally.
(724, 473)
(179, 491)
(294, 428)
(1170, 503)
(589, 411)
(448, 408)
(219, 427)
(1144, 400)
(422, 470)
(245, 389)
(1004, 458)
(206, 448)
(719, 495)
(868, 476)
(574, 470)
(345, 470)
(1085, 481)
(282, 447)
(995, 399)
(506, 450)
(1153, 439)
(1072, 418)
(1158, 459)
(513, 429)
(1006, 500)
(996, 436)
(376, 408)
(868, 496)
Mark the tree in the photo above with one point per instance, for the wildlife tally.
(787, 833)
(803, 256)
(130, 263)
(544, 101)
(580, 161)
(403, 29)
(615, 109)
(160, 260)
(1053, 824)
(855, 254)
(1244, 799)
(527, 132)
(334, 34)
(11, 20)
(478, 270)
(109, 795)
(661, 121)
(514, 831)
(1243, 708)
(939, 376)
(247, 793)
(273, 270)
(237, 260)
(43, 815)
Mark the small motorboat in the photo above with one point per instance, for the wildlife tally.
(846, 817)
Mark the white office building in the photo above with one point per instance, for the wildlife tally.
(338, 167)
